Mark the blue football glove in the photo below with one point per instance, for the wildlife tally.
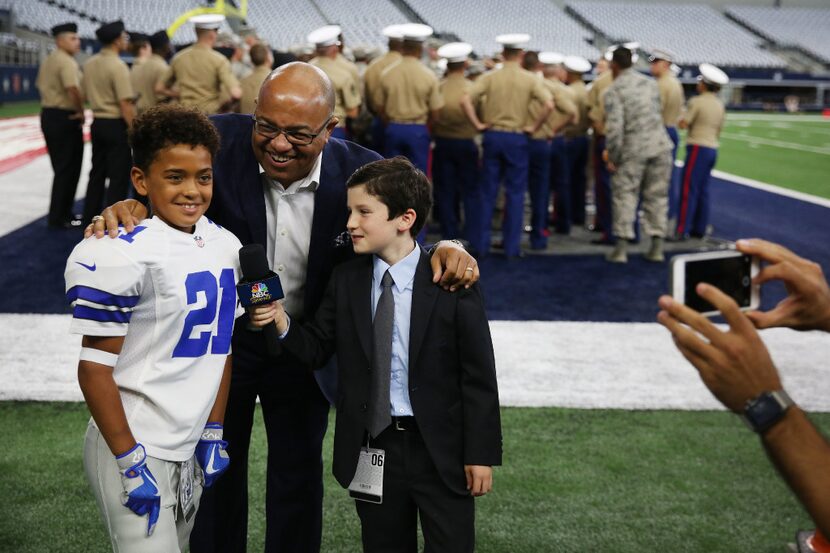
(141, 490)
(211, 453)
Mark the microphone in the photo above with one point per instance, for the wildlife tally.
(260, 284)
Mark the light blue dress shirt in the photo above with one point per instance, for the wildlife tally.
(403, 273)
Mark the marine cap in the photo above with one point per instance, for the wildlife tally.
(455, 52)
(577, 64)
(416, 32)
(64, 28)
(109, 32)
(207, 21)
(514, 41)
(393, 32)
(660, 54)
(159, 39)
(551, 58)
(325, 36)
(712, 75)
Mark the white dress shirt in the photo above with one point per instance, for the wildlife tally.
(288, 214)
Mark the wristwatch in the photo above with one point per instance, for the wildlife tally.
(761, 413)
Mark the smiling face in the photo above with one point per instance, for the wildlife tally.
(371, 229)
(179, 183)
(294, 99)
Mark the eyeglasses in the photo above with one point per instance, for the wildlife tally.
(298, 138)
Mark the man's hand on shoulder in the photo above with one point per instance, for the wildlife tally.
(453, 266)
(126, 212)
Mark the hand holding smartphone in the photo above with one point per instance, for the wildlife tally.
(730, 271)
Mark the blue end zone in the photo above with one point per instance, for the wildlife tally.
(547, 288)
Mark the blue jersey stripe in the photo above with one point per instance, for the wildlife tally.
(99, 296)
(100, 315)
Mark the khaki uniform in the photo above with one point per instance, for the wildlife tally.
(582, 124)
(504, 97)
(371, 78)
(200, 74)
(671, 98)
(409, 91)
(62, 131)
(106, 81)
(596, 105)
(505, 94)
(250, 88)
(346, 93)
(564, 108)
(638, 144)
(144, 78)
(453, 122)
(58, 72)
(350, 67)
(705, 115)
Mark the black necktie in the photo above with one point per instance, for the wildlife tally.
(379, 409)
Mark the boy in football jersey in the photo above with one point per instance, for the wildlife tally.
(156, 309)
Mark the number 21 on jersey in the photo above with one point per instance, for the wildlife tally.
(223, 306)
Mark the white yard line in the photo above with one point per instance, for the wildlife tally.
(775, 143)
(767, 187)
(565, 364)
(777, 117)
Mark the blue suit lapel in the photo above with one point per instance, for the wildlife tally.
(360, 299)
(329, 215)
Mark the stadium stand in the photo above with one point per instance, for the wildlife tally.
(286, 26)
(548, 25)
(696, 33)
(40, 16)
(804, 28)
(362, 26)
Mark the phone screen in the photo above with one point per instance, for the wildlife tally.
(732, 275)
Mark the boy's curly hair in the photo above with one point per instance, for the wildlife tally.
(166, 125)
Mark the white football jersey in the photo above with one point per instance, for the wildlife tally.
(173, 296)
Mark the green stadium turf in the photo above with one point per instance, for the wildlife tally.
(572, 480)
(18, 109)
(777, 150)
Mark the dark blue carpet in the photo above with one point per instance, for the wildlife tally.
(551, 288)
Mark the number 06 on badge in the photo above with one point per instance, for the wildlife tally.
(367, 484)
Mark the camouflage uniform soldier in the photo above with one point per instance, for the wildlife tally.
(638, 152)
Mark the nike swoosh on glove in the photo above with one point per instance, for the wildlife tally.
(211, 453)
(140, 486)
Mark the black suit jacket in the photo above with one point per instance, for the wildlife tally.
(239, 205)
(452, 376)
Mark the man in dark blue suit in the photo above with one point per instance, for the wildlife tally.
(279, 180)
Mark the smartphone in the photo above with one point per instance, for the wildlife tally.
(730, 271)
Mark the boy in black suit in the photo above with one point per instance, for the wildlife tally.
(417, 387)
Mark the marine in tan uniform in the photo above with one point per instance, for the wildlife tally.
(570, 190)
(263, 59)
(543, 159)
(109, 91)
(671, 103)
(704, 119)
(455, 157)
(346, 63)
(346, 93)
(504, 96)
(408, 99)
(145, 76)
(61, 120)
(602, 178)
(371, 80)
(199, 72)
